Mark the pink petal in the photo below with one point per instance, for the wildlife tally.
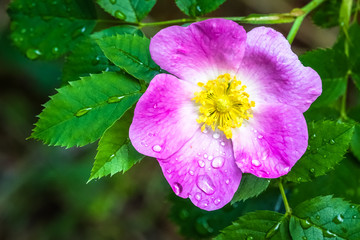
(165, 117)
(200, 52)
(204, 170)
(272, 142)
(273, 73)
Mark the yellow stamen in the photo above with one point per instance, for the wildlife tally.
(223, 104)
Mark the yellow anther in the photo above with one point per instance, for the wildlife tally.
(223, 104)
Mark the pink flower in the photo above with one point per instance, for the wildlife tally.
(233, 103)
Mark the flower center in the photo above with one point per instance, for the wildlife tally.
(224, 104)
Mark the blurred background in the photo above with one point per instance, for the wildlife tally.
(43, 190)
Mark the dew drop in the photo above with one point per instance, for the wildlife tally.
(272, 231)
(304, 238)
(250, 238)
(32, 53)
(115, 99)
(156, 148)
(216, 135)
(227, 181)
(155, 106)
(82, 111)
(205, 184)
(255, 162)
(222, 143)
(317, 217)
(204, 204)
(201, 163)
(312, 170)
(299, 179)
(55, 50)
(95, 61)
(332, 142)
(313, 136)
(205, 156)
(78, 32)
(120, 15)
(177, 188)
(305, 224)
(218, 162)
(329, 234)
(260, 136)
(338, 219)
(198, 196)
(112, 1)
(191, 173)
(217, 201)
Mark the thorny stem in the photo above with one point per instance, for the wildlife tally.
(297, 23)
(286, 203)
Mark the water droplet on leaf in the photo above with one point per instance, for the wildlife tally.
(112, 1)
(115, 99)
(120, 15)
(33, 53)
(338, 219)
(82, 111)
(305, 224)
(332, 142)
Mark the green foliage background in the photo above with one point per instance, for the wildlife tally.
(95, 54)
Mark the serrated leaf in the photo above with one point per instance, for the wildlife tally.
(81, 111)
(343, 182)
(332, 66)
(250, 186)
(130, 53)
(325, 217)
(327, 15)
(87, 56)
(354, 113)
(194, 8)
(115, 151)
(257, 225)
(50, 28)
(328, 142)
(127, 10)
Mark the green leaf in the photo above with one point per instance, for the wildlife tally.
(343, 182)
(127, 10)
(327, 15)
(50, 28)
(325, 217)
(130, 53)
(332, 66)
(115, 151)
(81, 111)
(194, 8)
(250, 186)
(328, 142)
(322, 113)
(257, 225)
(87, 56)
(355, 142)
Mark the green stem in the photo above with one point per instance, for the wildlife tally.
(307, 9)
(286, 203)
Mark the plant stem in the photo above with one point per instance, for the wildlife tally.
(307, 9)
(286, 203)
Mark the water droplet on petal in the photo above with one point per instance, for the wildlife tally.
(338, 219)
(260, 136)
(191, 173)
(222, 143)
(210, 157)
(201, 163)
(156, 148)
(198, 196)
(255, 162)
(216, 135)
(217, 201)
(205, 156)
(203, 204)
(177, 188)
(205, 183)
(227, 181)
(218, 162)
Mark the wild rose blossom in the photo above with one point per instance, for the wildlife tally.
(233, 103)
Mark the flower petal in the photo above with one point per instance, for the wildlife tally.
(204, 170)
(200, 52)
(165, 117)
(272, 142)
(274, 74)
